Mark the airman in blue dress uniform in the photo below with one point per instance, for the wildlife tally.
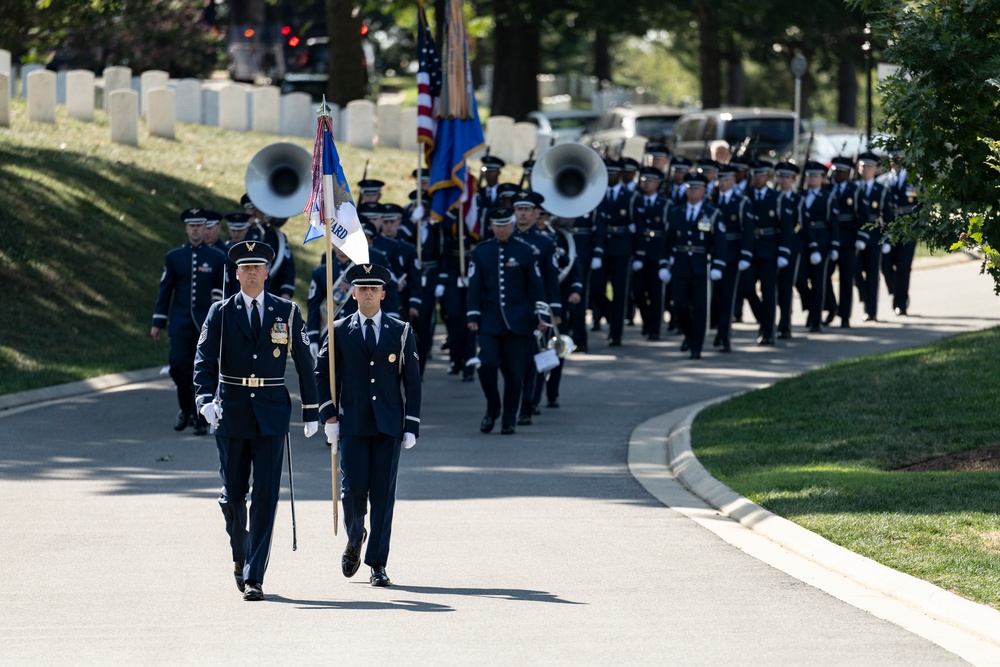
(614, 245)
(791, 214)
(505, 288)
(697, 251)
(240, 381)
(771, 250)
(897, 263)
(193, 278)
(875, 209)
(845, 195)
(734, 211)
(822, 239)
(649, 213)
(372, 412)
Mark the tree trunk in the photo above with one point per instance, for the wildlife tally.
(348, 80)
(847, 91)
(709, 57)
(516, 57)
(602, 57)
(735, 75)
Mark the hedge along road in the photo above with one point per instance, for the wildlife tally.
(536, 548)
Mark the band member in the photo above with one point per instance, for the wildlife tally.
(896, 264)
(240, 380)
(372, 412)
(822, 239)
(614, 244)
(791, 216)
(771, 250)
(649, 212)
(875, 209)
(845, 194)
(734, 211)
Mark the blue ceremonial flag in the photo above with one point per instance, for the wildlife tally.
(330, 200)
(459, 131)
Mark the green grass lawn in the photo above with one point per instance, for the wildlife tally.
(85, 223)
(824, 450)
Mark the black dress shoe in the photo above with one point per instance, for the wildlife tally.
(253, 592)
(379, 577)
(653, 336)
(238, 573)
(695, 354)
(784, 334)
(845, 324)
(686, 345)
(182, 421)
(830, 318)
(900, 311)
(351, 559)
(507, 430)
(596, 326)
(717, 342)
(200, 426)
(524, 420)
(765, 340)
(815, 329)
(725, 347)
(487, 424)
(553, 404)
(453, 369)
(868, 318)
(614, 343)
(535, 410)
(468, 377)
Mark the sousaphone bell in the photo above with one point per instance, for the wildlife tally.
(572, 178)
(278, 179)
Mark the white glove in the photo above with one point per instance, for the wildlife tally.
(815, 258)
(886, 248)
(310, 429)
(860, 245)
(595, 263)
(782, 262)
(438, 291)
(314, 349)
(418, 214)
(715, 274)
(664, 275)
(409, 440)
(834, 255)
(743, 265)
(212, 412)
(637, 265)
(631, 227)
(332, 435)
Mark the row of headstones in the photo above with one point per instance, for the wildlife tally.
(237, 107)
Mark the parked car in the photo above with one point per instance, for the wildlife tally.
(563, 126)
(656, 123)
(828, 144)
(307, 71)
(766, 132)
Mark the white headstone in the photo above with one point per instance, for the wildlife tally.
(42, 96)
(148, 80)
(116, 78)
(546, 84)
(388, 125)
(161, 114)
(408, 129)
(80, 94)
(4, 99)
(5, 62)
(210, 106)
(500, 137)
(26, 71)
(635, 148)
(233, 108)
(360, 129)
(266, 109)
(525, 141)
(298, 119)
(123, 115)
(61, 86)
(187, 97)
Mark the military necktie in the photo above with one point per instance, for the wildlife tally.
(370, 335)
(254, 319)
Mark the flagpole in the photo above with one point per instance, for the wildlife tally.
(324, 111)
(420, 223)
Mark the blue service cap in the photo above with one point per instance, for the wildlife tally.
(368, 275)
(251, 253)
(502, 215)
(196, 216)
(237, 221)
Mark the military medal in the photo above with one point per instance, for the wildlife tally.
(771, 213)
(874, 204)
(704, 225)
(624, 212)
(279, 333)
(392, 358)
(850, 201)
(277, 352)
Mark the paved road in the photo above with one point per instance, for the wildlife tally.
(534, 549)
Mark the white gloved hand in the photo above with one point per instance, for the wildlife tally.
(332, 435)
(310, 429)
(886, 248)
(743, 265)
(637, 265)
(438, 291)
(664, 275)
(212, 412)
(834, 255)
(782, 262)
(314, 349)
(595, 263)
(409, 440)
(860, 245)
(418, 214)
(715, 274)
(815, 258)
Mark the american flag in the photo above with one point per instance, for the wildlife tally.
(428, 86)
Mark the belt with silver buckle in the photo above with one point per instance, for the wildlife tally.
(619, 228)
(698, 250)
(252, 382)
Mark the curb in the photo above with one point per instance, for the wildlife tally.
(965, 628)
(56, 392)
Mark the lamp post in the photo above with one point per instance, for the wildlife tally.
(799, 67)
(867, 49)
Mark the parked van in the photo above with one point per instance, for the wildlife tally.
(766, 132)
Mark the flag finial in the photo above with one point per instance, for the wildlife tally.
(324, 108)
